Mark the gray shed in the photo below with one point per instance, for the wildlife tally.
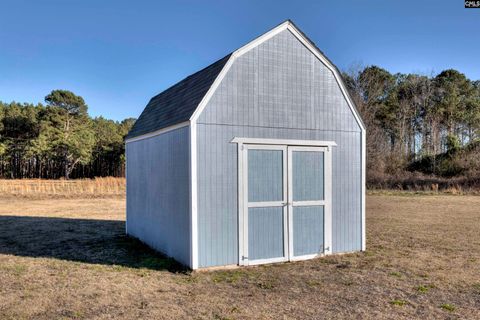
(258, 158)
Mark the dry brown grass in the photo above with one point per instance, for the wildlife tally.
(417, 182)
(40, 188)
(69, 258)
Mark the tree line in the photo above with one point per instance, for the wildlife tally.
(415, 123)
(427, 124)
(59, 139)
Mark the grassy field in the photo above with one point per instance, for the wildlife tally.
(66, 258)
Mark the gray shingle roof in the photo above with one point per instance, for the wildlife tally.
(177, 103)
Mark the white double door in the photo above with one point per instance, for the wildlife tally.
(284, 203)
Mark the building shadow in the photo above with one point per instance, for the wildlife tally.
(90, 241)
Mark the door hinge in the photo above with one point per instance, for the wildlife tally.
(244, 258)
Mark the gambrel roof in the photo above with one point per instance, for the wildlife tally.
(177, 103)
(185, 100)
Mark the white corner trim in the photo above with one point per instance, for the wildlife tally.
(159, 132)
(126, 190)
(364, 187)
(193, 198)
(284, 142)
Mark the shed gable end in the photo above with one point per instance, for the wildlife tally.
(280, 83)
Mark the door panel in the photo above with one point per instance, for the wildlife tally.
(308, 230)
(308, 175)
(265, 175)
(265, 233)
(306, 201)
(265, 218)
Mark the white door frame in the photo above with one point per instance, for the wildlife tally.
(326, 203)
(243, 205)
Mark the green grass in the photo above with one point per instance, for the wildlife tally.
(398, 302)
(227, 276)
(19, 269)
(476, 288)
(423, 289)
(16, 269)
(158, 263)
(188, 279)
(266, 284)
(448, 307)
(313, 283)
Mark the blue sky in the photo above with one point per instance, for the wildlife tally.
(117, 54)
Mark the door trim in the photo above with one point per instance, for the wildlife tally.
(243, 205)
(284, 142)
(327, 202)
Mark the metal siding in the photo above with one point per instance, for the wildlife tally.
(277, 90)
(158, 192)
(308, 230)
